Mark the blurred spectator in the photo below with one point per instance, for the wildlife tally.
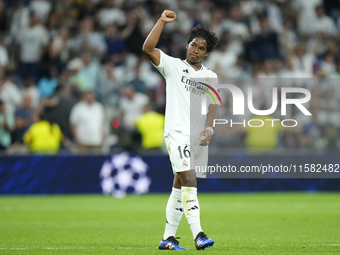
(32, 41)
(60, 49)
(131, 106)
(69, 13)
(76, 79)
(306, 13)
(7, 125)
(329, 109)
(264, 138)
(23, 118)
(53, 24)
(303, 61)
(58, 109)
(110, 14)
(274, 15)
(268, 70)
(3, 58)
(265, 45)
(88, 8)
(237, 29)
(43, 137)
(223, 57)
(30, 88)
(88, 123)
(288, 37)
(88, 40)
(48, 82)
(90, 71)
(9, 93)
(327, 64)
(138, 84)
(323, 24)
(114, 41)
(290, 72)
(216, 22)
(151, 126)
(18, 17)
(336, 73)
(41, 8)
(133, 33)
(109, 86)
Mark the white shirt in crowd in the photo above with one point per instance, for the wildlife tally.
(304, 64)
(41, 8)
(3, 56)
(89, 122)
(306, 13)
(19, 21)
(183, 95)
(32, 40)
(11, 96)
(63, 49)
(324, 25)
(113, 15)
(133, 108)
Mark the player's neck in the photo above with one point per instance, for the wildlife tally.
(196, 66)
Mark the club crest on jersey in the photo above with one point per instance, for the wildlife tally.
(185, 163)
(207, 79)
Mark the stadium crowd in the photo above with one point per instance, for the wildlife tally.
(73, 75)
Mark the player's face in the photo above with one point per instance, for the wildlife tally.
(197, 50)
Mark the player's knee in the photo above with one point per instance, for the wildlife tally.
(188, 181)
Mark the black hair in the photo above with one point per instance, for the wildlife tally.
(202, 30)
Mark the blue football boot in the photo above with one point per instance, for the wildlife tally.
(202, 241)
(170, 244)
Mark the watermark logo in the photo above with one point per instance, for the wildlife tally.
(238, 105)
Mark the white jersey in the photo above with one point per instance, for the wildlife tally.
(183, 95)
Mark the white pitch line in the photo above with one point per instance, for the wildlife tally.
(128, 248)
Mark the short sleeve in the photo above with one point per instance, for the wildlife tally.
(165, 65)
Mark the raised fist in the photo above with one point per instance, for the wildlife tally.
(168, 16)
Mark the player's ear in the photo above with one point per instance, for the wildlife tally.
(187, 46)
(206, 54)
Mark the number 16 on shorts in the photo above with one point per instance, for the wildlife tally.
(184, 151)
(184, 157)
(178, 145)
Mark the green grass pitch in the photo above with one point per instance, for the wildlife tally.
(260, 223)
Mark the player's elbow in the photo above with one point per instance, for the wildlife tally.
(147, 49)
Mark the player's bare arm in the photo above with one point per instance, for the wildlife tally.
(212, 114)
(153, 37)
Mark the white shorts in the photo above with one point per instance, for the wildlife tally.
(185, 153)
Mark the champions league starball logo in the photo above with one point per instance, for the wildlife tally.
(124, 173)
